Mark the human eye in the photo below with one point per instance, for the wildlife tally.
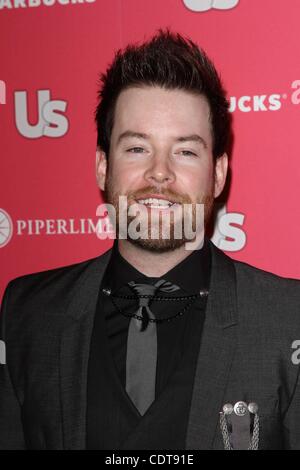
(187, 153)
(135, 150)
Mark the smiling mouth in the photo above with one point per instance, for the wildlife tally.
(156, 203)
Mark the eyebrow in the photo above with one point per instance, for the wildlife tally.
(192, 138)
(139, 135)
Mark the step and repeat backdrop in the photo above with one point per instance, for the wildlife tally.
(51, 54)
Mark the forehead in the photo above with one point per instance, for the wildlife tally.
(161, 112)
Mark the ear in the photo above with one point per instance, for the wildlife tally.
(221, 167)
(101, 166)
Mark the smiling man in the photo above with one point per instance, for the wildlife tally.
(154, 344)
(161, 156)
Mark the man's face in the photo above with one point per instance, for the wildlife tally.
(161, 149)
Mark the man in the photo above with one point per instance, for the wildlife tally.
(154, 345)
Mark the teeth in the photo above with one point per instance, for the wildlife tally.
(154, 201)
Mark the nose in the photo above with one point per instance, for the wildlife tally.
(159, 171)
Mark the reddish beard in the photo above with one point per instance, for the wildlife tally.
(158, 244)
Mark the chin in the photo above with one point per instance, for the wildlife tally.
(158, 245)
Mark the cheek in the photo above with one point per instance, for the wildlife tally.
(123, 178)
(197, 182)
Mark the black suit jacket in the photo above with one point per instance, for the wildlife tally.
(252, 319)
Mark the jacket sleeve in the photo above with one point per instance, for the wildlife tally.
(11, 429)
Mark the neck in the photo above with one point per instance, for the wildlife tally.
(154, 264)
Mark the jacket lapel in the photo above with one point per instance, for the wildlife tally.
(74, 352)
(214, 361)
(217, 349)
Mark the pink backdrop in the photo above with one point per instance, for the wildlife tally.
(51, 53)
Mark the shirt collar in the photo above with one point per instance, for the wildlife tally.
(191, 274)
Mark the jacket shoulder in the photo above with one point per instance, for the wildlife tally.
(52, 283)
(267, 298)
(267, 279)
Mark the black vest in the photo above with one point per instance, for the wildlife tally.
(113, 422)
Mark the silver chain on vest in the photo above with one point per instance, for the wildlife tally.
(254, 441)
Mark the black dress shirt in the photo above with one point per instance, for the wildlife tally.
(191, 275)
(175, 338)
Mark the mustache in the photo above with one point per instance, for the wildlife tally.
(167, 193)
